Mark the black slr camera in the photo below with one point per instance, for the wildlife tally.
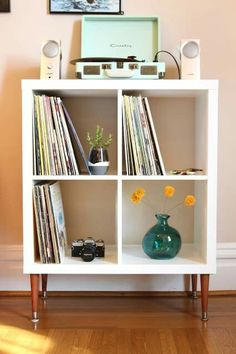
(88, 249)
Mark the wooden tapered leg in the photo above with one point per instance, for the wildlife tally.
(194, 286)
(34, 281)
(44, 285)
(204, 295)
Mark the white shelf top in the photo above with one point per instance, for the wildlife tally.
(107, 88)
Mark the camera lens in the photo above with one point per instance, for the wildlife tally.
(88, 253)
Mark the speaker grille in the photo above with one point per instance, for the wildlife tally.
(191, 49)
(50, 49)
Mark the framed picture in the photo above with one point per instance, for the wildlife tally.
(85, 6)
(4, 5)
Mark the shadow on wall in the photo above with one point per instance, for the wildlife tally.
(11, 149)
(74, 51)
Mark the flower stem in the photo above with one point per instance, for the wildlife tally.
(164, 206)
(173, 207)
(148, 203)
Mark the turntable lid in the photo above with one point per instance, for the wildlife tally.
(120, 36)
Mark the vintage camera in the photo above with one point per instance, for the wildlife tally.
(88, 249)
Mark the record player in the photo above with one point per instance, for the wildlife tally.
(119, 47)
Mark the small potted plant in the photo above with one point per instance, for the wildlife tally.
(98, 160)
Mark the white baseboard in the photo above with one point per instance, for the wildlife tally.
(13, 279)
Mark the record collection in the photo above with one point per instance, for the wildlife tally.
(50, 222)
(52, 144)
(141, 148)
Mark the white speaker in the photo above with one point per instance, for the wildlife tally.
(50, 66)
(190, 59)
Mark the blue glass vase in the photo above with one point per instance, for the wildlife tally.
(162, 241)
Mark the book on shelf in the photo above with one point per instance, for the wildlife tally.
(141, 148)
(53, 137)
(50, 222)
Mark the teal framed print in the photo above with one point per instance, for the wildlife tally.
(85, 7)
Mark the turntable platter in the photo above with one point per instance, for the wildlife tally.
(106, 60)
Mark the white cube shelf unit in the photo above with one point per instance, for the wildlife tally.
(185, 115)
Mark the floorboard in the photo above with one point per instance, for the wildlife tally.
(113, 325)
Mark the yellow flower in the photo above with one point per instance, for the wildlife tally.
(189, 200)
(140, 192)
(169, 191)
(135, 198)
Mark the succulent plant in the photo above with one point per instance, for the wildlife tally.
(99, 141)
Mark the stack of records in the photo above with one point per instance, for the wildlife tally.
(141, 148)
(50, 222)
(53, 133)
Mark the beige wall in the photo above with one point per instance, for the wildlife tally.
(21, 33)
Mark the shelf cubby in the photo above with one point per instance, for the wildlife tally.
(181, 125)
(191, 222)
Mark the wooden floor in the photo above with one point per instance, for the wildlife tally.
(122, 325)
